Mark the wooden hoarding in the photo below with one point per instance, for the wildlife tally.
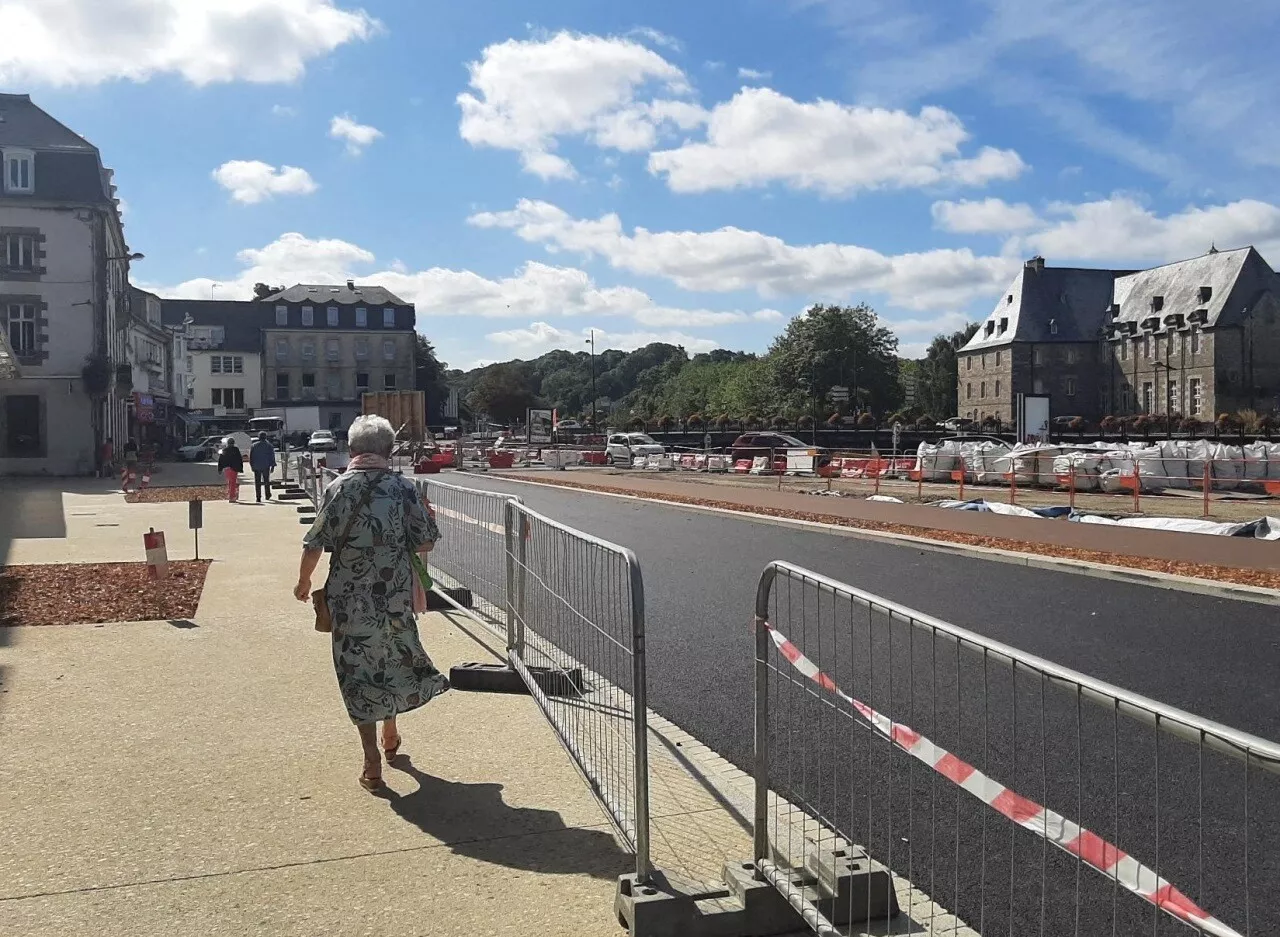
(405, 409)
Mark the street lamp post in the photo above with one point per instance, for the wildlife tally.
(592, 342)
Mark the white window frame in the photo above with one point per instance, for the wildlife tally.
(237, 364)
(287, 389)
(362, 348)
(1195, 341)
(26, 263)
(1146, 347)
(332, 314)
(13, 181)
(362, 317)
(282, 349)
(1172, 397)
(215, 364)
(1195, 390)
(332, 349)
(282, 315)
(333, 385)
(388, 317)
(25, 320)
(388, 350)
(308, 316)
(1071, 356)
(308, 349)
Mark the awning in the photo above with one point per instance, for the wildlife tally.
(187, 418)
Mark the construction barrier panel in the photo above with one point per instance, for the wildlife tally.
(935, 768)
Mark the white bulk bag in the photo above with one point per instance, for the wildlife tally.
(934, 464)
(1228, 467)
(1173, 452)
(1255, 462)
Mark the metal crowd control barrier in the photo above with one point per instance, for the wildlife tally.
(924, 766)
(575, 611)
(472, 546)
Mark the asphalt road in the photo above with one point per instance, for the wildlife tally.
(1217, 658)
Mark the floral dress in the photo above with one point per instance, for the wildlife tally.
(381, 665)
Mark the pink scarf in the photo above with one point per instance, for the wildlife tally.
(367, 461)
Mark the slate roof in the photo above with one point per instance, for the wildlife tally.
(243, 320)
(349, 293)
(67, 166)
(1234, 279)
(1049, 304)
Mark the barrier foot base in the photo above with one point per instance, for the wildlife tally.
(496, 678)
(438, 603)
(857, 888)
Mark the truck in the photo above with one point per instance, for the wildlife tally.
(406, 410)
(288, 420)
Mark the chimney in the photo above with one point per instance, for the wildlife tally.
(1035, 264)
(351, 284)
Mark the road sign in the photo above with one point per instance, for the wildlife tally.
(839, 394)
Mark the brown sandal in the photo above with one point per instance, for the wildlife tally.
(390, 751)
(372, 783)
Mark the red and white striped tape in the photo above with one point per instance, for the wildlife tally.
(1042, 821)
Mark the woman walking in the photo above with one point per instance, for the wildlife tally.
(231, 464)
(372, 519)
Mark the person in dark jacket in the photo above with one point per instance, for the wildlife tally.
(262, 459)
(231, 464)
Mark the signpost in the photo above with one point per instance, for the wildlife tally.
(839, 394)
(195, 520)
(897, 438)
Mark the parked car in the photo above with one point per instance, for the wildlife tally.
(622, 448)
(322, 440)
(202, 450)
(958, 423)
(1064, 422)
(568, 424)
(752, 445)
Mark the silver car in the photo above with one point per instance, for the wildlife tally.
(623, 448)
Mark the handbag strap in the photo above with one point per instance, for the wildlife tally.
(365, 498)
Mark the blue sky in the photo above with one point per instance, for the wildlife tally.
(695, 173)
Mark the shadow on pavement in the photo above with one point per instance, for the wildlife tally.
(474, 821)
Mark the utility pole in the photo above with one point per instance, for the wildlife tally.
(592, 342)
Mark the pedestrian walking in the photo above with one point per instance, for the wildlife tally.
(130, 471)
(262, 459)
(231, 464)
(373, 521)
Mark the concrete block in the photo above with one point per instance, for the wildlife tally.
(666, 906)
(482, 677)
(851, 881)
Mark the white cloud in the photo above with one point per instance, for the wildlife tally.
(988, 216)
(357, 136)
(658, 38)
(1120, 230)
(761, 136)
(82, 42)
(284, 110)
(252, 181)
(540, 337)
(525, 94)
(731, 259)
(752, 74)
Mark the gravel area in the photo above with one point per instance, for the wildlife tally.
(1268, 579)
(88, 593)
(177, 493)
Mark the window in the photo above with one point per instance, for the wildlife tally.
(1126, 397)
(308, 316)
(997, 387)
(1171, 396)
(1124, 349)
(1146, 346)
(282, 349)
(282, 315)
(997, 359)
(333, 385)
(1053, 326)
(990, 327)
(22, 436)
(331, 349)
(968, 363)
(1071, 387)
(308, 385)
(20, 251)
(388, 382)
(1008, 300)
(219, 364)
(215, 364)
(1037, 357)
(1037, 386)
(1197, 398)
(968, 391)
(362, 381)
(1146, 396)
(1071, 356)
(237, 365)
(1195, 341)
(1159, 351)
(982, 390)
(308, 348)
(22, 328)
(191, 363)
(333, 317)
(19, 171)
(362, 317)
(984, 361)
(388, 318)
(389, 350)
(362, 348)
(1004, 324)
(230, 397)
(1157, 303)
(282, 387)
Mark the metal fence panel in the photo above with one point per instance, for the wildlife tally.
(1024, 797)
(472, 546)
(577, 608)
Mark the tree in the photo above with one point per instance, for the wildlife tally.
(938, 374)
(429, 372)
(837, 345)
(263, 290)
(503, 392)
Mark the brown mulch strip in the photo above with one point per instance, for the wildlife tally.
(1266, 579)
(88, 593)
(180, 493)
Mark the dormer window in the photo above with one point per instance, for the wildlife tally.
(1004, 325)
(1206, 293)
(19, 172)
(1157, 303)
(991, 327)
(1053, 326)
(1008, 300)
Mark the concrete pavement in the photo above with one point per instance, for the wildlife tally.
(200, 777)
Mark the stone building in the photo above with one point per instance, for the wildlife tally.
(1193, 338)
(328, 345)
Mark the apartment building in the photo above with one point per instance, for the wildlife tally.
(327, 345)
(223, 363)
(64, 268)
(1190, 339)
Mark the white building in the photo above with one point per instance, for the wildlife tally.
(223, 360)
(63, 276)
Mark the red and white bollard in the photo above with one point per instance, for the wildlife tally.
(157, 555)
(146, 479)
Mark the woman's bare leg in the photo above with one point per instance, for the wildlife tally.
(390, 733)
(369, 742)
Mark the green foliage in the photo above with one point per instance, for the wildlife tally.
(938, 375)
(838, 345)
(503, 392)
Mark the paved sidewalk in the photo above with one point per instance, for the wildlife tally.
(199, 777)
(1235, 552)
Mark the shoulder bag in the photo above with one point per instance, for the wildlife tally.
(319, 598)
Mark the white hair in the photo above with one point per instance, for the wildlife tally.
(371, 434)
